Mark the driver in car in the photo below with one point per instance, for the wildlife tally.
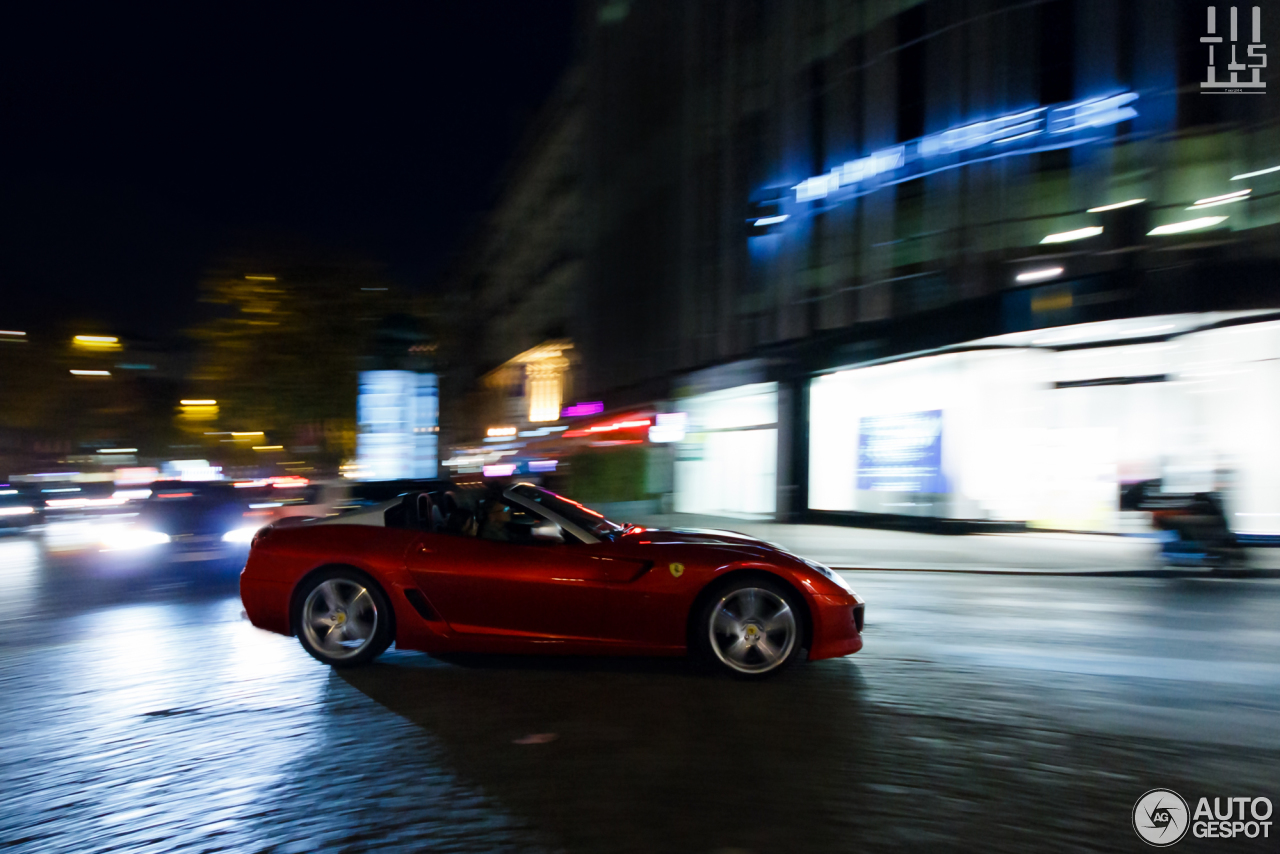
(495, 523)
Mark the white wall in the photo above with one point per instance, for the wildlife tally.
(728, 461)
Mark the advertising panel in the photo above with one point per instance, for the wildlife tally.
(398, 414)
(901, 452)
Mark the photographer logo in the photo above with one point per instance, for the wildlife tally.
(1229, 59)
(1160, 817)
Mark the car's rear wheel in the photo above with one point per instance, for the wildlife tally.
(751, 628)
(344, 619)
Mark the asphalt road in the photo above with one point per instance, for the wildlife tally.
(986, 713)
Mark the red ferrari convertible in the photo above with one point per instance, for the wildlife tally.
(525, 570)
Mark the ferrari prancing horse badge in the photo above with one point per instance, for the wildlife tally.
(677, 570)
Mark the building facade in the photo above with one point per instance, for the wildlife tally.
(512, 293)
(776, 196)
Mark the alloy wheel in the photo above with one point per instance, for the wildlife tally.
(339, 618)
(752, 630)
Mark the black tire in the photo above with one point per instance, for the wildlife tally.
(750, 628)
(342, 617)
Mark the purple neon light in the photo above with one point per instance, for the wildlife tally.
(503, 470)
(595, 407)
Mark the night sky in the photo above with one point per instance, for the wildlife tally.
(139, 147)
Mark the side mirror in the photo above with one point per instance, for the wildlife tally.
(547, 532)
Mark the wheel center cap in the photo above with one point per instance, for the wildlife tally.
(752, 633)
(339, 618)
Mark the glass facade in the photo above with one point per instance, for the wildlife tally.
(1048, 427)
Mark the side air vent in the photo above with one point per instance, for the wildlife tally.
(419, 603)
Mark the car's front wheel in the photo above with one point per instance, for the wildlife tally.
(344, 619)
(751, 628)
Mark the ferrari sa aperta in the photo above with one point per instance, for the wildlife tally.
(525, 570)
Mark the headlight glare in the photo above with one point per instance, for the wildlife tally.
(132, 538)
(241, 535)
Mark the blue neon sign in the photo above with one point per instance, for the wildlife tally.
(1039, 129)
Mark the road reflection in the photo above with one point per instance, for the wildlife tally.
(142, 710)
(19, 577)
(648, 755)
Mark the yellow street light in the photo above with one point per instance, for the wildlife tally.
(96, 342)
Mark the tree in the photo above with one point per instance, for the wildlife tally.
(284, 352)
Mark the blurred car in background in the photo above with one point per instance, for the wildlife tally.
(321, 500)
(206, 525)
(193, 529)
(19, 509)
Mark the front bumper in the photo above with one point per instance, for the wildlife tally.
(837, 626)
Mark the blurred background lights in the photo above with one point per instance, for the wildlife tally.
(1254, 174)
(1077, 234)
(500, 470)
(1188, 225)
(669, 427)
(1117, 205)
(594, 407)
(1224, 199)
(1039, 275)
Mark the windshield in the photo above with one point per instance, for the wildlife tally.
(588, 520)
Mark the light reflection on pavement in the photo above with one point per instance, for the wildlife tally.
(1006, 713)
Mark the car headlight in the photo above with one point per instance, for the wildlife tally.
(830, 574)
(16, 511)
(241, 535)
(132, 538)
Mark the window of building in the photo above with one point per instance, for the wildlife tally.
(817, 98)
(1057, 51)
(911, 73)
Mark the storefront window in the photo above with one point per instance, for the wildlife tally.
(727, 464)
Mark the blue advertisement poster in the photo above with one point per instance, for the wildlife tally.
(398, 414)
(901, 452)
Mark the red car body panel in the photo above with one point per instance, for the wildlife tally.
(631, 596)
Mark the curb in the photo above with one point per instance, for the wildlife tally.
(1079, 573)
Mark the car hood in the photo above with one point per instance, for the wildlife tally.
(710, 537)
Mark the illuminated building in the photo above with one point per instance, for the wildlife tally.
(530, 386)
(513, 296)
(777, 195)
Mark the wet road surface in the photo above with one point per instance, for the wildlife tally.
(993, 713)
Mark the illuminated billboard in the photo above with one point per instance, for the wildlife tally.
(398, 414)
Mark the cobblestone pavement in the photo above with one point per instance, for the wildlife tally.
(993, 713)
